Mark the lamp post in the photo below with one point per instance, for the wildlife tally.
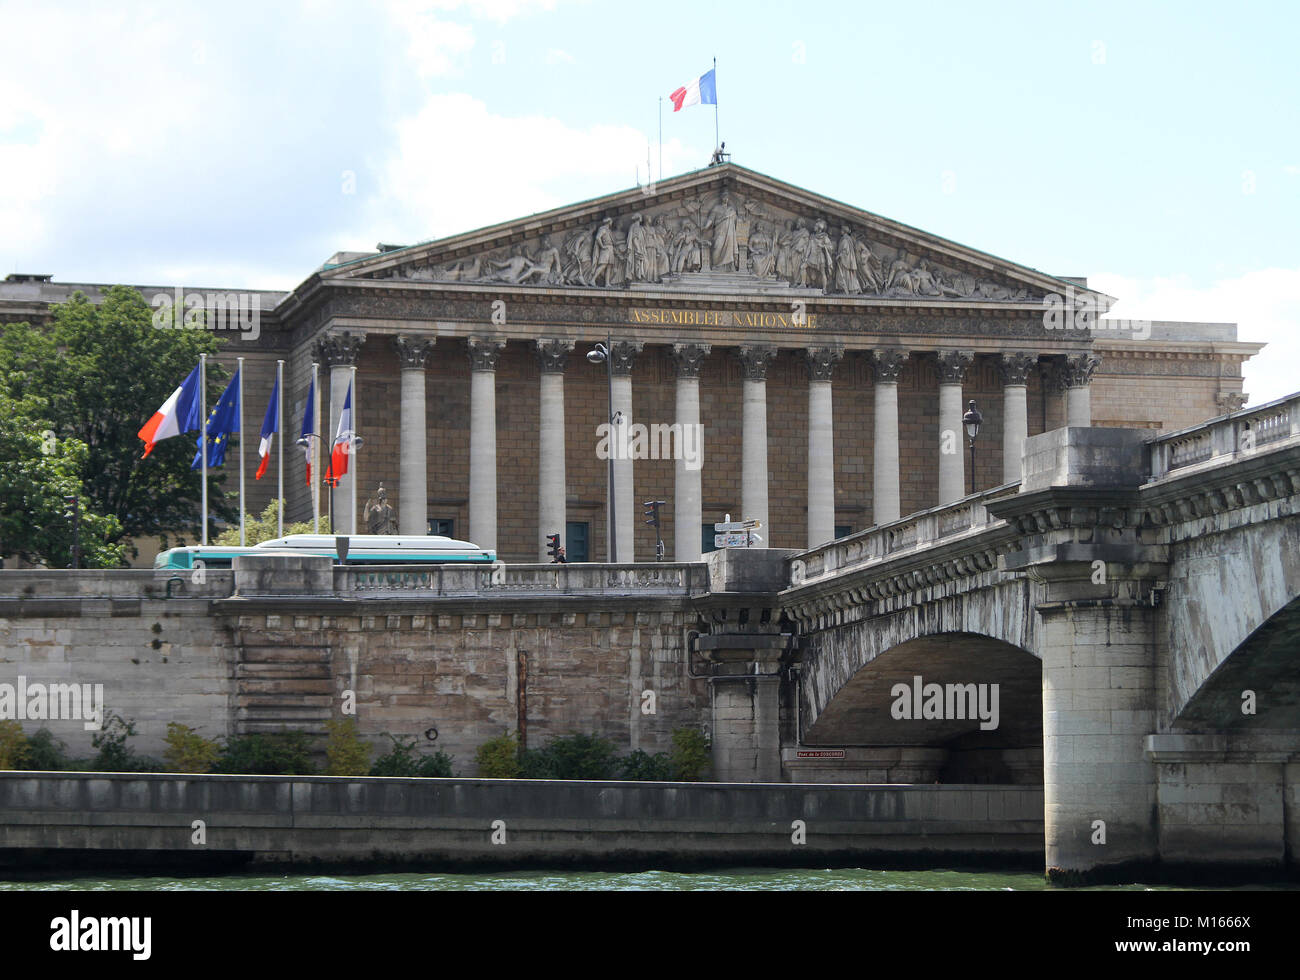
(972, 420)
(601, 354)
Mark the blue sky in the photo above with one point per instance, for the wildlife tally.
(1154, 147)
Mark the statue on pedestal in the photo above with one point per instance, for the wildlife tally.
(379, 516)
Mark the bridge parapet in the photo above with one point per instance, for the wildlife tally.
(1212, 441)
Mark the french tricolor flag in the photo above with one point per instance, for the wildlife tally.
(270, 426)
(701, 91)
(179, 413)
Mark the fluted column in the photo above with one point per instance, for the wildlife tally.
(1014, 369)
(1075, 376)
(821, 445)
(338, 352)
(413, 438)
(624, 354)
(886, 366)
(754, 472)
(552, 515)
(483, 356)
(952, 448)
(688, 507)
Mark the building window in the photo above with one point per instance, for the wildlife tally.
(706, 539)
(843, 530)
(444, 526)
(576, 536)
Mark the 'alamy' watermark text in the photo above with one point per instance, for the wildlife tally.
(53, 702)
(945, 702)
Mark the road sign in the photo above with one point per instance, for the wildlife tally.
(725, 526)
(733, 540)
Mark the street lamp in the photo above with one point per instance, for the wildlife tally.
(73, 513)
(972, 420)
(597, 355)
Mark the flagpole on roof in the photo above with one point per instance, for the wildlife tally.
(716, 138)
(352, 451)
(239, 373)
(661, 137)
(203, 437)
(311, 451)
(279, 431)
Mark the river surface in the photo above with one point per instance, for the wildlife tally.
(738, 879)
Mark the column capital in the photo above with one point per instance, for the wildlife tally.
(338, 348)
(689, 358)
(953, 365)
(483, 353)
(1014, 367)
(622, 355)
(821, 362)
(755, 358)
(551, 355)
(887, 364)
(412, 350)
(1076, 370)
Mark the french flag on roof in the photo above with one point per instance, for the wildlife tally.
(701, 91)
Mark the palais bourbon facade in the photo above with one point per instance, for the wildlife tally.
(824, 355)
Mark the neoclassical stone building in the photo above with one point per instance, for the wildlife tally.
(822, 355)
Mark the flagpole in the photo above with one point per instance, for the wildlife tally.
(312, 447)
(203, 437)
(661, 137)
(239, 371)
(279, 431)
(352, 451)
(717, 144)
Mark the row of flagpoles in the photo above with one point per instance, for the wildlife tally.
(181, 413)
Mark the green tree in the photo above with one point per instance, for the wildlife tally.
(102, 369)
(37, 471)
(266, 527)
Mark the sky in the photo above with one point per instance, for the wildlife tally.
(1152, 147)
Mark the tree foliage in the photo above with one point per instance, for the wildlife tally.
(100, 370)
(266, 527)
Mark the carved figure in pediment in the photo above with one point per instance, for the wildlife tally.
(819, 266)
(959, 284)
(517, 268)
(924, 282)
(602, 254)
(548, 260)
(785, 266)
(637, 265)
(657, 237)
(725, 253)
(463, 271)
(899, 279)
(689, 246)
(762, 254)
(846, 264)
(800, 250)
(577, 252)
(870, 272)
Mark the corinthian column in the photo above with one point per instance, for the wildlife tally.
(624, 354)
(952, 471)
(887, 365)
(483, 356)
(688, 507)
(413, 441)
(821, 445)
(339, 351)
(753, 479)
(1075, 375)
(552, 517)
(1014, 368)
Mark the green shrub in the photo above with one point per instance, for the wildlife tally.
(404, 760)
(114, 754)
(498, 758)
(188, 751)
(641, 765)
(279, 754)
(45, 753)
(571, 757)
(690, 755)
(13, 745)
(345, 753)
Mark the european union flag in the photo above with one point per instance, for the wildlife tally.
(222, 421)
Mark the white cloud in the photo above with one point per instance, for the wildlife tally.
(458, 166)
(1264, 303)
(558, 56)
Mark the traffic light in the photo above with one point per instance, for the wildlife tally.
(652, 511)
(553, 546)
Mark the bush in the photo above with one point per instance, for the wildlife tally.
(404, 760)
(13, 745)
(280, 754)
(345, 753)
(188, 751)
(642, 765)
(690, 756)
(45, 753)
(114, 754)
(498, 758)
(571, 757)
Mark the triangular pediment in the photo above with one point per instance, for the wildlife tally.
(723, 229)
